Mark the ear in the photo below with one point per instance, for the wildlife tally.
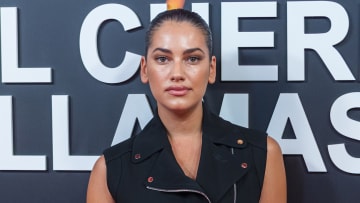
(143, 70)
(212, 75)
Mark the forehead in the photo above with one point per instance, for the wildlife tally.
(178, 32)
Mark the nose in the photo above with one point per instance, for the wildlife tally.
(177, 71)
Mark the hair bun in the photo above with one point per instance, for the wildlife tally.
(175, 4)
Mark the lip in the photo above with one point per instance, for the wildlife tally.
(177, 90)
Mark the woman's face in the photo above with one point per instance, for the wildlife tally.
(177, 66)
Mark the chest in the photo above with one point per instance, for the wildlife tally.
(160, 179)
(187, 154)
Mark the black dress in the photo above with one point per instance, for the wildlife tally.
(231, 168)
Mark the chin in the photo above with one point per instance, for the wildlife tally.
(180, 107)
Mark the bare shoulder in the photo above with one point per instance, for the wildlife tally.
(273, 147)
(97, 188)
(274, 187)
(100, 165)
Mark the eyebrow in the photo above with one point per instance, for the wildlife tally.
(161, 50)
(187, 51)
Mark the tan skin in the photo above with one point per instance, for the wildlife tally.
(178, 69)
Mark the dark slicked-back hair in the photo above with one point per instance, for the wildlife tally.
(179, 15)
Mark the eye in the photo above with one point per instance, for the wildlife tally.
(193, 59)
(161, 59)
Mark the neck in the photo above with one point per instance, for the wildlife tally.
(182, 124)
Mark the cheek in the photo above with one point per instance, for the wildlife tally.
(200, 81)
(202, 76)
(156, 80)
(155, 88)
(155, 76)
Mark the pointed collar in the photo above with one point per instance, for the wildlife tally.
(218, 168)
(154, 136)
(151, 139)
(222, 132)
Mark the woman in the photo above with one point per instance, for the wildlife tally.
(186, 153)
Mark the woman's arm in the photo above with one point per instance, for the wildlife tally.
(97, 189)
(274, 187)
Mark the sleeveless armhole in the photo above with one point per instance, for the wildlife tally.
(113, 172)
(259, 141)
(260, 158)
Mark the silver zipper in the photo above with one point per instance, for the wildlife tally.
(235, 195)
(179, 190)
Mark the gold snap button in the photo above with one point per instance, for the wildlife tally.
(240, 141)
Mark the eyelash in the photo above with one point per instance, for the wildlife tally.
(161, 59)
(190, 59)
